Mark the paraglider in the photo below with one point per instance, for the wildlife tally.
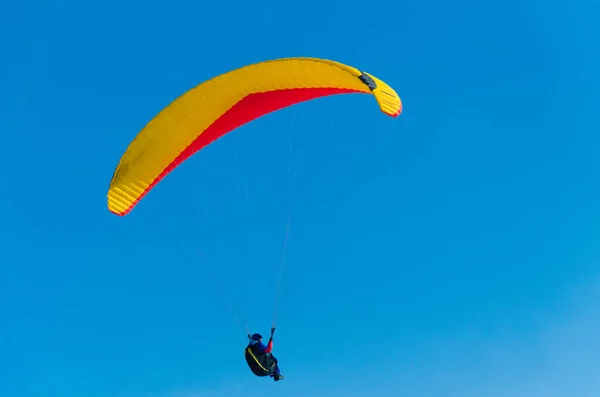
(219, 105)
(224, 103)
(260, 358)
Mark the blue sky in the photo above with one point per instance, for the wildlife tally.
(451, 251)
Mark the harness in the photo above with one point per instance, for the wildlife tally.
(260, 363)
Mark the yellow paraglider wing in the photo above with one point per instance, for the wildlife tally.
(217, 106)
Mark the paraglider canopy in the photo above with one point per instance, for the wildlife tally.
(219, 105)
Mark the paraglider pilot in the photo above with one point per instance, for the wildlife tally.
(260, 359)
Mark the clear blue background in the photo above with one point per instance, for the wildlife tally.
(452, 251)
